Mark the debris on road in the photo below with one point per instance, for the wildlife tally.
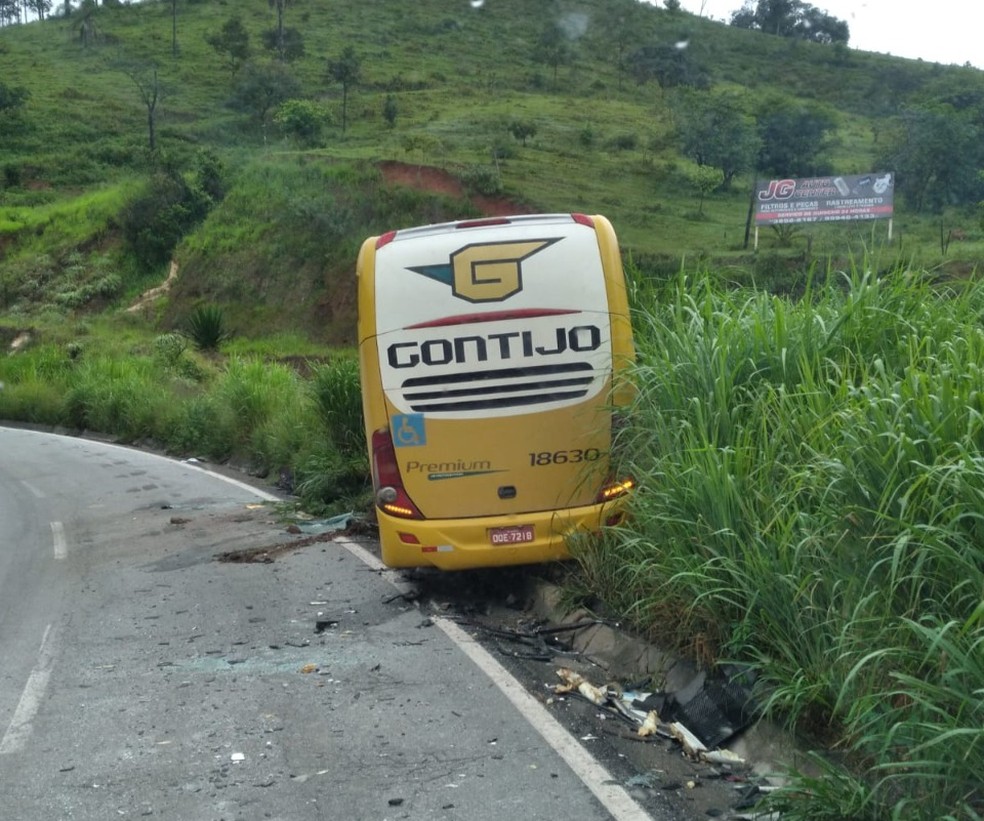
(693, 747)
(323, 624)
(320, 531)
(624, 704)
(650, 724)
(535, 637)
(722, 756)
(316, 527)
(576, 682)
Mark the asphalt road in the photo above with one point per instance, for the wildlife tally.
(140, 677)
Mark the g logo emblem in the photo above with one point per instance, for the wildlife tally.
(486, 273)
(491, 273)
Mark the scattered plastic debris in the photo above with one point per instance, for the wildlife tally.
(647, 780)
(722, 707)
(333, 525)
(575, 682)
(722, 756)
(692, 745)
(648, 723)
(322, 624)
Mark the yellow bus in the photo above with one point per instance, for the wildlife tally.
(493, 356)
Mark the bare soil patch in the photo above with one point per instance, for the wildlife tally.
(439, 181)
(147, 297)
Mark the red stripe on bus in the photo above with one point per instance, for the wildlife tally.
(491, 316)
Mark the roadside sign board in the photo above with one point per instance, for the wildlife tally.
(824, 199)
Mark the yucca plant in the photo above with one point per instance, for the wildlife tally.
(206, 327)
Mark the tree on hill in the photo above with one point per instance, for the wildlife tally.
(287, 44)
(936, 152)
(280, 36)
(621, 31)
(346, 71)
(714, 130)
(9, 12)
(232, 42)
(791, 18)
(148, 84)
(795, 137)
(553, 48)
(40, 7)
(670, 64)
(174, 28)
(704, 180)
(85, 22)
(522, 130)
(157, 216)
(261, 88)
(390, 110)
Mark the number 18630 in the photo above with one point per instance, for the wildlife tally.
(563, 457)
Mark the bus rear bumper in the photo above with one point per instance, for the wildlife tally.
(463, 544)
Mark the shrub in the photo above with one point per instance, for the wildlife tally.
(206, 327)
(624, 142)
(301, 119)
(522, 130)
(155, 220)
(337, 394)
(169, 348)
(482, 179)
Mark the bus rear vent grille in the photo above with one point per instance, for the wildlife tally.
(502, 388)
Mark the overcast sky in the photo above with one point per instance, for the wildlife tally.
(941, 31)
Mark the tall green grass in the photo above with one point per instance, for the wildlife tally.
(811, 505)
(261, 415)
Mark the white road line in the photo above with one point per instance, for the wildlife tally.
(34, 491)
(261, 494)
(19, 729)
(361, 554)
(58, 537)
(595, 777)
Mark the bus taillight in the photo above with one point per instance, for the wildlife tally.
(390, 495)
(615, 490)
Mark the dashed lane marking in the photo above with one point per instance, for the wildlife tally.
(58, 537)
(19, 729)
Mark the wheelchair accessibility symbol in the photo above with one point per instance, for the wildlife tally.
(408, 430)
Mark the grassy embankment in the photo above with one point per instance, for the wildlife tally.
(811, 505)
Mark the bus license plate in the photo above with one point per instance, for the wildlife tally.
(520, 534)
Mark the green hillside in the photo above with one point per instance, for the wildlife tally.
(263, 204)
